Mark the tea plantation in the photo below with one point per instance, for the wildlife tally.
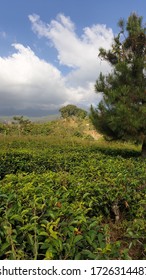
(74, 199)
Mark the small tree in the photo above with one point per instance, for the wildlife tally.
(122, 112)
(22, 123)
(72, 110)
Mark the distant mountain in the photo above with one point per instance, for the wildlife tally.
(30, 112)
(38, 119)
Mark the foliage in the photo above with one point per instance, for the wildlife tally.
(61, 128)
(20, 120)
(56, 200)
(72, 110)
(122, 112)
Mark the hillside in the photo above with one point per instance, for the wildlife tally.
(74, 127)
(60, 128)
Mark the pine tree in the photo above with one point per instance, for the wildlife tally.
(122, 112)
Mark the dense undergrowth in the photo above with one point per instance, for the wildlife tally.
(57, 199)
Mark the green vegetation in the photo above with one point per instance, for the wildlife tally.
(72, 110)
(122, 112)
(65, 197)
(61, 128)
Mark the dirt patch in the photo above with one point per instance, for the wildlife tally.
(93, 133)
(133, 247)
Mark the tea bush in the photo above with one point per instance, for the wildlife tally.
(56, 200)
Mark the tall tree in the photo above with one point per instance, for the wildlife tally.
(122, 112)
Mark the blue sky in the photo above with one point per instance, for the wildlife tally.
(49, 51)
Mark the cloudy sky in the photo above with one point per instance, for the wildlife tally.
(49, 51)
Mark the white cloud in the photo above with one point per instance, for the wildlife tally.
(26, 81)
(73, 51)
(29, 82)
(79, 54)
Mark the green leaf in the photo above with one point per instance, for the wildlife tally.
(100, 239)
(16, 217)
(24, 212)
(89, 254)
(92, 234)
(48, 255)
(86, 194)
(4, 247)
(88, 239)
(45, 245)
(30, 239)
(43, 233)
(92, 225)
(78, 238)
(34, 218)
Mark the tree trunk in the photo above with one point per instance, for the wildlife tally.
(143, 152)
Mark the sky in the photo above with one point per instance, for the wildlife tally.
(49, 51)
